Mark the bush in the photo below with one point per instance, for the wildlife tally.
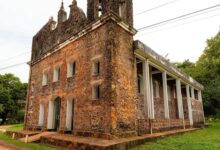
(18, 118)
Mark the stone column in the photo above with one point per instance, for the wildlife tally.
(193, 93)
(200, 99)
(179, 99)
(200, 95)
(189, 105)
(146, 88)
(165, 96)
(152, 95)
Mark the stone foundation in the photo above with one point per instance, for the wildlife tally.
(145, 126)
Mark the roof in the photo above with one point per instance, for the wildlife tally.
(146, 52)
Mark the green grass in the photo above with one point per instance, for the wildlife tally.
(16, 127)
(31, 146)
(206, 139)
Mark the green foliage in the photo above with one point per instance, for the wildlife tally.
(12, 94)
(187, 67)
(207, 71)
(206, 139)
(1, 108)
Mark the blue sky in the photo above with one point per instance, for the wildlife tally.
(20, 20)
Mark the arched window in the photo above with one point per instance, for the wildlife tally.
(56, 74)
(100, 8)
(122, 9)
(71, 69)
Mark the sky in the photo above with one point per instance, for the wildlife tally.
(177, 41)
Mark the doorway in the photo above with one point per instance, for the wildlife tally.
(69, 114)
(57, 105)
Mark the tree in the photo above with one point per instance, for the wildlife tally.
(12, 92)
(209, 65)
(207, 71)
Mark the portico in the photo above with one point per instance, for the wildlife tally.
(169, 95)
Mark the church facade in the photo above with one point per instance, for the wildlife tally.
(89, 77)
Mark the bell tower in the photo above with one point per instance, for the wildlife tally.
(123, 8)
(62, 15)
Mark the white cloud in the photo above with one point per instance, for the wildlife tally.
(20, 20)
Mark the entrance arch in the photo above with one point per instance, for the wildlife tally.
(54, 114)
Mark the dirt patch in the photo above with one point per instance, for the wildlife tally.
(6, 146)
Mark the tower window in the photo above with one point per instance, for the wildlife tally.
(96, 68)
(96, 92)
(71, 69)
(56, 74)
(122, 6)
(100, 8)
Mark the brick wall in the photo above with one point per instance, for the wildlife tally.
(115, 111)
(198, 115)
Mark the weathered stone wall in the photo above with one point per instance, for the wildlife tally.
(53, 34)
(158, 125)
(198, 115)
(115, 112)
(88, 114)
(108, 6)
(124, 89)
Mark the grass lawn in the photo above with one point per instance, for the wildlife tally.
(206, 139)
(16, 127)
(31, 146)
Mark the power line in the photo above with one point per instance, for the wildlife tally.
(159, 6)
(177, 21)
(7, 59)
(205, 18)
(12, 66)
(176, 18)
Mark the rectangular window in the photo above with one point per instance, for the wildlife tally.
(122, 8)
(56, 76)
(71, 69)
(45, 79)
(96, 92)
(96, 68)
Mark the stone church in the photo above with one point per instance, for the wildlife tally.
(88, 77)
